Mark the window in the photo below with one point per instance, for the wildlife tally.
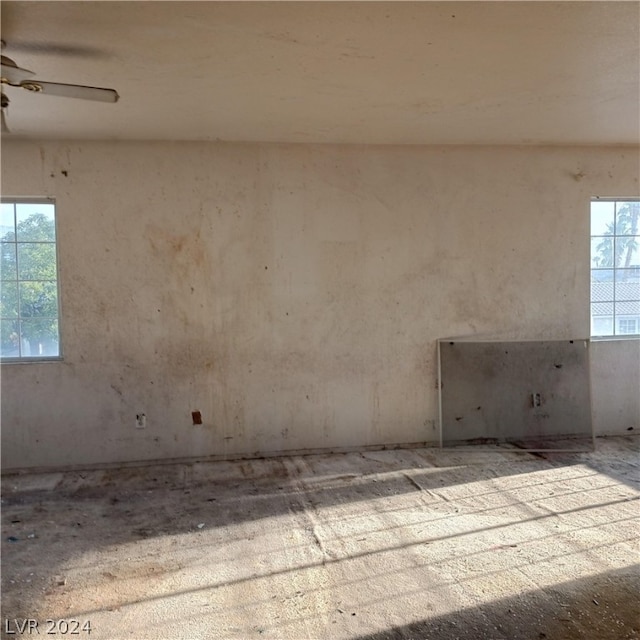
(628, 326)
(615, 267)
(29, 307)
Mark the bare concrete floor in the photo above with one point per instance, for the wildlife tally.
(392, 544)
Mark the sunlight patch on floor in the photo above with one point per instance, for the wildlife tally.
(365, 545)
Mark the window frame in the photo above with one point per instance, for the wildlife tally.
(39, 359)
(616, 335)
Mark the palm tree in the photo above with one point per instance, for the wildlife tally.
(623, 232)
(628, 216)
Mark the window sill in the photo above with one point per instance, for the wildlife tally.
(4, 361)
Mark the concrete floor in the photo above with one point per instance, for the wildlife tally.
(414, 543)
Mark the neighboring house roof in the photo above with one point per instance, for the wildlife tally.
(626, 295)
(625, 308)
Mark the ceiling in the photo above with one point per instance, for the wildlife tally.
(345, 72)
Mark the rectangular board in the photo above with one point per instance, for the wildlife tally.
(535, 395)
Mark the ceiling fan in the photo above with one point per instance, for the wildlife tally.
(14, 76)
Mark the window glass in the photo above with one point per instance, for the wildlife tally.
(615, 267)
(29, 306)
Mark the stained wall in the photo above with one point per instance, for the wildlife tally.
(294, 294)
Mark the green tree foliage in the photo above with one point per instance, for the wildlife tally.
(29, 294)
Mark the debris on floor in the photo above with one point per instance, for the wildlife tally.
(411, 543)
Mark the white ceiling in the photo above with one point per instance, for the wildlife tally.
(348, 72)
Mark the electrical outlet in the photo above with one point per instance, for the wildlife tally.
(141, 420)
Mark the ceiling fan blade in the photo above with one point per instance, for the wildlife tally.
(12, 73)
(71, 90)
(48, 47)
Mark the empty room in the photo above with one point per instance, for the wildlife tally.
(320, 320)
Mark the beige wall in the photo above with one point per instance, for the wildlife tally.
(292, 294)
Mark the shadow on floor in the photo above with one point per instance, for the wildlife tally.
(600, 607)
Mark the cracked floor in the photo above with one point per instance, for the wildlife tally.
(411, 543)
